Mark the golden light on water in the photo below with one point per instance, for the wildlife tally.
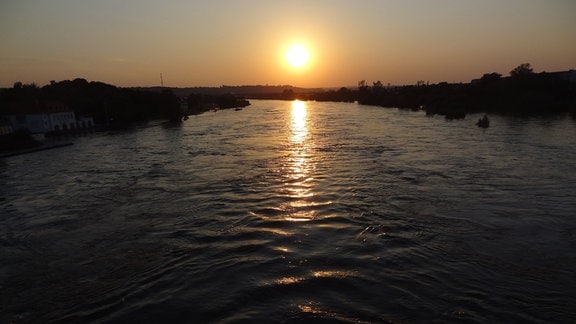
(299, 165)
(333, 274)
(299, 119)
(315, 275)
(289, 280)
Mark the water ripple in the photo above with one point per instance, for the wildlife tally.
(294, 212)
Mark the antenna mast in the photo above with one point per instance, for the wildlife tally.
(161, 81)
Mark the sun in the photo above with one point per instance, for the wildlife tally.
(297, 56)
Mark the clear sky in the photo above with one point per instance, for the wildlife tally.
(239, 42)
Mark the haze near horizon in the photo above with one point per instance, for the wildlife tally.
(208, 43)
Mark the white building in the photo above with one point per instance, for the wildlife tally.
(84, 122)
(39, 117)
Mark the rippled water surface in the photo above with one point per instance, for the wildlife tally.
(295, 211)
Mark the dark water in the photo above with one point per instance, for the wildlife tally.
(289, 212)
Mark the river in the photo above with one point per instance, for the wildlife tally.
(295, 211)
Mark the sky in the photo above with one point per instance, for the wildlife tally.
(243, 42)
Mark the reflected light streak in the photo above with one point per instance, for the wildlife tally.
(289, 280)
(305, 217)
(310, 308)
(299, 170)
(299, 125)
(333, 274)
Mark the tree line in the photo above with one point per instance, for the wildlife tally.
(524, 92)
(118, 107)
(199, 103)
(106, 103)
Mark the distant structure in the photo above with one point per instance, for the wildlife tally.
(42, 117)
(84, 122)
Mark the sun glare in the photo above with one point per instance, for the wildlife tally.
(297, 56)
(299, 127)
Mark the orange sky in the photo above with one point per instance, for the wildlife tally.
(235, 42)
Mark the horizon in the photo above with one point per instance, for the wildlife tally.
(207, 44)
(504, 75)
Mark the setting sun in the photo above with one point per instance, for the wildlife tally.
(297, 56)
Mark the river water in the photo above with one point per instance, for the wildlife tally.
(295, 211)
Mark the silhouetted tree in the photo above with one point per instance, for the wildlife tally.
(199, 103)
(377, 88)
(344, 94)
(521, 70)
(490, 77)
(102, 101)
(524, 93)
(288, 94)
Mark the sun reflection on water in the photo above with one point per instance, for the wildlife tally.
(299, 169)
(299, 125)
